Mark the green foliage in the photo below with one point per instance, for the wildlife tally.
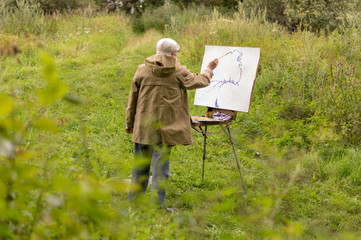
(315, 15)
(137, 8)
(158, 18)
(64, 168)
(227, 4)
(339, 98)
(312, 15)
(21, 16)
(169, 18)
(51, 6)
(18, 179)
(6, 105)
(55, 89)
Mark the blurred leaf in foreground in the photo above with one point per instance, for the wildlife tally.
(55, 89)
(6, 105)
(73, 99)
(47, 125)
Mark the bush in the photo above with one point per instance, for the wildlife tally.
(169, 17)
(159, 17)
(21, 16)
(315, 15)
(304, 14)
(50, 6)
(227, 4)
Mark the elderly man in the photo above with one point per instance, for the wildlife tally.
(158, 115)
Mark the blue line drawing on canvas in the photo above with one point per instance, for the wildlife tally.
(232, 83)
(216, 103)
(230, 80)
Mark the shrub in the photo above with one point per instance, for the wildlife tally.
(50, 6)
(227, 4)
(21, 16)
(304, 14)
(315, 15)
(168, 18)
(159, 17)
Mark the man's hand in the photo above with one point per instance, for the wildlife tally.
(129, 130)
(212, 65)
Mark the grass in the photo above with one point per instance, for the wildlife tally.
(303, 182)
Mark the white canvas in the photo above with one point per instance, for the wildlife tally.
(233, 80)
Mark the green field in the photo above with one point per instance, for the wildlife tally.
(65, 156)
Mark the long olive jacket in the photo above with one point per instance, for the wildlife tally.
(158, 110)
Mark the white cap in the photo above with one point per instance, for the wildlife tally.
(167, 46)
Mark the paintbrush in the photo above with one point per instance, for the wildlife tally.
(225, 55)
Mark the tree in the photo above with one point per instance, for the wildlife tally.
(227, 4)
(315, 15)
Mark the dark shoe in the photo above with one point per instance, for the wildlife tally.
(171, 210)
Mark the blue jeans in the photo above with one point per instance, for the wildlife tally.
(144, 155)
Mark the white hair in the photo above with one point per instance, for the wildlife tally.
(167, 46)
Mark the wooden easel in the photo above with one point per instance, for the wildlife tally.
(225, 125)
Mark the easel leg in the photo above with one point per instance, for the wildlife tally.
(235, 155)
(204, 148)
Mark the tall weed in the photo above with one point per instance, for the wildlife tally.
(24, 16)
(169, 17)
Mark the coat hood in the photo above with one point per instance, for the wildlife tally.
(162, 65)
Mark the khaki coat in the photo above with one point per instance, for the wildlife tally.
(158, 109)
